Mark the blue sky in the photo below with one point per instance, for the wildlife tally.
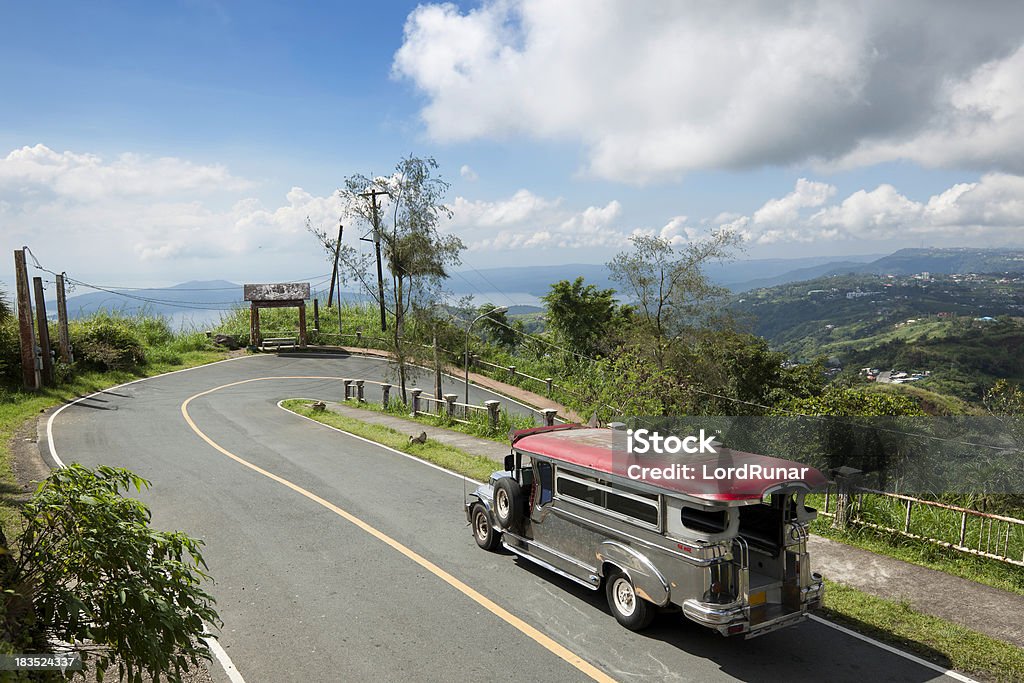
(148, 143)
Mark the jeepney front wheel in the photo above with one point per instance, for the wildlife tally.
(629, 609)
(484, 533)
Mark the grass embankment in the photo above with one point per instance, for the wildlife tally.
(138, 346)
(478, 424)
(897, 623)
(474, 466)
(893, 622)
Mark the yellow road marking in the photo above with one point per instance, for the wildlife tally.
(485, 602)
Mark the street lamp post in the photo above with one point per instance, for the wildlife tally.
(500, 309)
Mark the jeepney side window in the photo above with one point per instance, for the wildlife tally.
(544, 477)
(632, 507)
(577, 486)
(705, 520)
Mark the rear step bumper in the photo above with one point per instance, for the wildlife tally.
(735, 618)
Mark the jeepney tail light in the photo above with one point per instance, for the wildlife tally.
(735, 628)
(716, 587)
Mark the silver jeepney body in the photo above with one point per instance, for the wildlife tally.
(739, 567)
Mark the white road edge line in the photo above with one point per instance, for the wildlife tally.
(222, 656)
(379, 445)
(843, 629)
(895, 651)
(224, 659)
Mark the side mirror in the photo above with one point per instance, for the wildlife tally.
(510, 462)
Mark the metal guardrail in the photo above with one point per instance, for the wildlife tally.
(979, 533)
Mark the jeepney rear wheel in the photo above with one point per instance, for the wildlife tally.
(484, 533)
(629, 609)
(508, 503)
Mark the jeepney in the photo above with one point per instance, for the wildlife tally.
(731, 556)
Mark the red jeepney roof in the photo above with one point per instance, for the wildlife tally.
(724, 476)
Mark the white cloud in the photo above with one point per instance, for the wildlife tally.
(468, 173)
(991, 209)
(656, 89)
(144, 214)
(526, 220)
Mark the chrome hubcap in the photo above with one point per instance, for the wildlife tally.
(625, 597)
(482, 527)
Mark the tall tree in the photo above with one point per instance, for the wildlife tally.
(499, 329)
(580, 315)
(668, 286)
(417, 253)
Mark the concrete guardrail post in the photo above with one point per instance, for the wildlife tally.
(846, 479)
(549, 382)
(359, 337)
(385, 394)
(512, 372)
(359, 391)
(492, 412)
(415, 401)
(474, 360)
(449, 404)
(348, 389)
(549, 416)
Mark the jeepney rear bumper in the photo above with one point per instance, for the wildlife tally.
(734, 618)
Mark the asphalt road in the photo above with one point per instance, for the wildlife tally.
(309, 593)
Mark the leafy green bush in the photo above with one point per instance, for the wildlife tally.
(97, 576)
(10, 350)
(106, 342)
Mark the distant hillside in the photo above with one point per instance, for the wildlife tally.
(197, 295)
(965, 328)
(947, 261)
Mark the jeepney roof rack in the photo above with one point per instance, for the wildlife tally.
(520, 433)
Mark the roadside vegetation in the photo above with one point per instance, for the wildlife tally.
(932, 638)
(475, 467)
(477, 425)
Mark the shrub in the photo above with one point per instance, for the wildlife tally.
(10, 350)
(97, 576)
(105, 343)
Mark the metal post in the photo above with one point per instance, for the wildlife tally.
(316, 314)
(29, 372)
(43, 326)
(63, 336)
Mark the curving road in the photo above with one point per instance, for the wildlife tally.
(339, 560)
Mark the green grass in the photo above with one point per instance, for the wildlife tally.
(474, 466)
(478, 425)
(930, 637)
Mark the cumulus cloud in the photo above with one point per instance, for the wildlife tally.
(88, 212)
(526, 220)
(655, 89)
(468, 173)
(991, 208)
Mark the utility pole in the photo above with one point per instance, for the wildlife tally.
(29, 373)
(44, 332)
(334, 273)
(372, 194)
(62, 322)
(437, 370)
